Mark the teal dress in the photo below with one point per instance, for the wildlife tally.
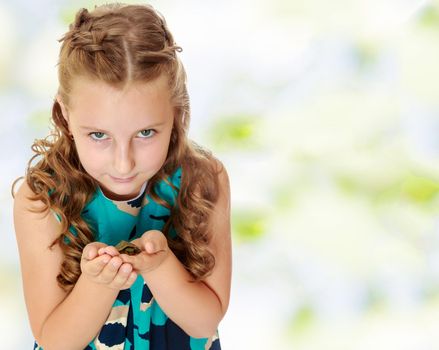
(136, 320)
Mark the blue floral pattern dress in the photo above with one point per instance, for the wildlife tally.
(136, 320)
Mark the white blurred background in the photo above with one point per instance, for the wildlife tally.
(326, 115)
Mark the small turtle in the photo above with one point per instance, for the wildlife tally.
(128, 248)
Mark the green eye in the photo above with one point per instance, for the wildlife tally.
(97, 136)
(147, 133)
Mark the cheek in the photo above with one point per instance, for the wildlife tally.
(162, 152)
(153, 157)
(89, 158)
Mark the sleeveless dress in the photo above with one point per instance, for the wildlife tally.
(136, 321)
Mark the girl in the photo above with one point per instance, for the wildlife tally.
(118, 166)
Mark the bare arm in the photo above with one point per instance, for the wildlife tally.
(197, 307)
(58, 320)
(78, 318)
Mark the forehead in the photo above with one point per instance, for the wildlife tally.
(86, 89)
(93, 100)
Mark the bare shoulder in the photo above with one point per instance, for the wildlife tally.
(223, 177)
(40, 264)
(219, 219)
(23, 202)
(30, 214)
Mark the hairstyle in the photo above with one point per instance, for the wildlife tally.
(120, 44)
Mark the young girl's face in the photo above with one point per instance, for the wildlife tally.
(122, 136)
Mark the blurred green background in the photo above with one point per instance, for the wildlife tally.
(326, 115)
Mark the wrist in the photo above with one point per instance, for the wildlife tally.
(97, 287)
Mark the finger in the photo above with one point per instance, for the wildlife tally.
(131, 279)
(91, 250)
(95, 266)
(136, 261)
(110, 270)
(137, 242)
(110, 250)
(122, 276)
(155, 243)
(130, 259)
(149, 247)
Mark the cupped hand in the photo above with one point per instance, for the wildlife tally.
(155, 249)
(106, 269)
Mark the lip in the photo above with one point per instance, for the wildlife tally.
(123, 180)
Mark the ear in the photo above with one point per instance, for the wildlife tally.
(63, 108)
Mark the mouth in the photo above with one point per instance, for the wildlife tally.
(122, 180)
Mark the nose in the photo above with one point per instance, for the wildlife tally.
(123, 161)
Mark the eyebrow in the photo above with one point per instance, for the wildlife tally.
(92, 128)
